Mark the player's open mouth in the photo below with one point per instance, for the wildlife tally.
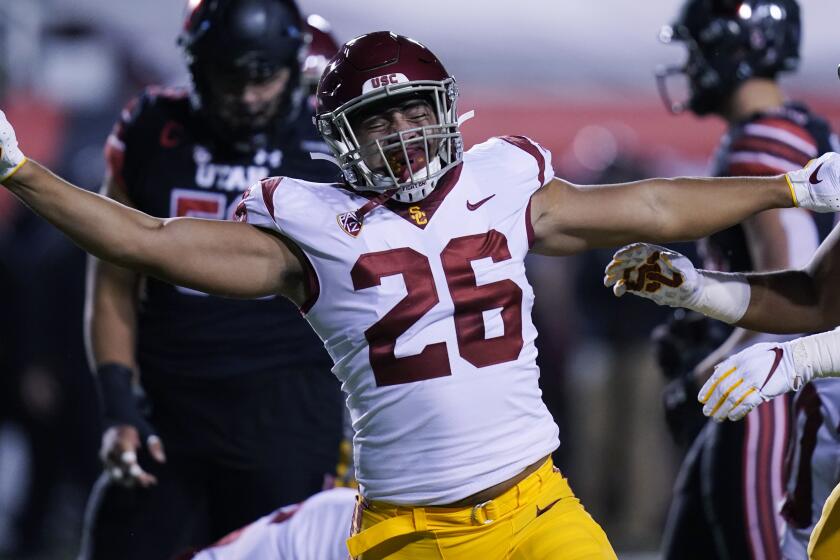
(403, 170)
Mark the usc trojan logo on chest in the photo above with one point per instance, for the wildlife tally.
(418, 216)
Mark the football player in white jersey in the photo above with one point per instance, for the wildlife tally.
(315, 529)
(411, 269)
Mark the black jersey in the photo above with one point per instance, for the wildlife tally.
(769, 143)
(168, 164)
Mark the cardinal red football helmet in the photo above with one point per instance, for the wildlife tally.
(321, 47)
(381, 69)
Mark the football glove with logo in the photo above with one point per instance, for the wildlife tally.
(11, 158)
(766, 370)
(669, 278)
(817, 185)
(749, 378)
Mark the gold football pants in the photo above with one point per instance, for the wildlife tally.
(825, 540)
(537, 519)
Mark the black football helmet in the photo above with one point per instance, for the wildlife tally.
(729, 41)
(231, 44)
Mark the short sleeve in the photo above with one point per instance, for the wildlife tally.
(539, 162)
(257, 204)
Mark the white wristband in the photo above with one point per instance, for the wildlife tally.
(817, 355)
(724, 296)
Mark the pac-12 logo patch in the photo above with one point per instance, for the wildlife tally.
(349, 223)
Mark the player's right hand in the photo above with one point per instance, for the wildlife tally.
(656, 273)
(11, 158)
(749, 378)
(120, 445)
(817, 185)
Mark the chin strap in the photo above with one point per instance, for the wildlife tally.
(373, 203)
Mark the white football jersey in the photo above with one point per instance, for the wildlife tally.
(426, 312)
(316, 529)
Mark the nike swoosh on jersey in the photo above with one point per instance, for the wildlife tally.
(472, 207)
(779, 353)
(813, 178)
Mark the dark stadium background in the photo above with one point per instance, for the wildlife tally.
(576, 76)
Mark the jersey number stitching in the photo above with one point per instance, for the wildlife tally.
(470, 301)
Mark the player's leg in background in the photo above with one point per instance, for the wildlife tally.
(687, 534)
(743, 496)
(278, 442)
(237, 494)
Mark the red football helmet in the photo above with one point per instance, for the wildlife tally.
(384, 67)
(321, 47)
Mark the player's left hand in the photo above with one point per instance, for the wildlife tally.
(817, 185)
(655, 273)
(749, 378)
(120, 445)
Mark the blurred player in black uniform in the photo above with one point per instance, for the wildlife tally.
(735, 51)
(240, 412)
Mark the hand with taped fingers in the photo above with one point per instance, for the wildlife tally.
(751, 377)
(120, 445)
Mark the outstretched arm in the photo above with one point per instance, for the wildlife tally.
(568, 219)
(225, 258)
